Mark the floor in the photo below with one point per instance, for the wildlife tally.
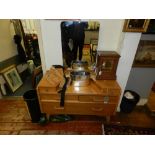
(14, 117)
(139, 117)
(15, 120)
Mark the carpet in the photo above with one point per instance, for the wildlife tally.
(127, 130)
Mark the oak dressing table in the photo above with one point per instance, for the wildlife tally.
(99, 98)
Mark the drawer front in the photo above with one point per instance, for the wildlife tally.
(50, 96)
(58, 97)
(79, 108)
(49, 107)
(97, 98)
(92, 109)
(114, 92)
(46, 90)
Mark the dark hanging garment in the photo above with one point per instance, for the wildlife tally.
(21, 52)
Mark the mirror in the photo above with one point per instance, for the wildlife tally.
(79, 41)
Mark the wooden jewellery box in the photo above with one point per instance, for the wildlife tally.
(106, 66)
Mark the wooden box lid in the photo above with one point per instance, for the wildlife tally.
(51, 78)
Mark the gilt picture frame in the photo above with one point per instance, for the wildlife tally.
(12, 78)
(136, 25)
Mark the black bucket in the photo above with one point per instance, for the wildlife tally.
(127, 105)
(31, 99)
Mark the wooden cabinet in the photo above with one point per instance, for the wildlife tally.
(99, 98)
(107, 62)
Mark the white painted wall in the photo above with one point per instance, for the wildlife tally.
(7, 45)
(41, 47)
(51, 40)
(110, 34)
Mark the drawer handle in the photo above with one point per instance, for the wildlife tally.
(106, 100)
(97, 109)
(59, 108)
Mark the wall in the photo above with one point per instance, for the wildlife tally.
(110, 34)
(7, 47)
(51, 40)
(141, 79)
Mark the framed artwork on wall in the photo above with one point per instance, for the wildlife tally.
(145, 54)
(136, 25)
(12, 78)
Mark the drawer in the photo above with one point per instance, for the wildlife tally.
(50, 96)
(79, 108)
(58, 97)
(46, 90)
(91, 109)
(97, 98)
(71, 98)
(114, 92)
(49, 107)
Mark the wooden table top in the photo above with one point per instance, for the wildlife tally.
(95, 86)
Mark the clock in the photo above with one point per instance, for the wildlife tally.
(106, 65)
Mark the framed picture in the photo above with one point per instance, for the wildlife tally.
(145, 54)
(12, 78)
(136, 25)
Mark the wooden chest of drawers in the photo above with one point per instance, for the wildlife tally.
(99, 98)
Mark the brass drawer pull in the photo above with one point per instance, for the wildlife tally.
(97, 109)
(59, 108)
(106, 99)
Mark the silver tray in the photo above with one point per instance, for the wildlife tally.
(80, 78)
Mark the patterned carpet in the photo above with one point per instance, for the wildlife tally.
(127, 130)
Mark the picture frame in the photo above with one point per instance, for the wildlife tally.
(145, 54)
(12, 78)
(136, 25)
